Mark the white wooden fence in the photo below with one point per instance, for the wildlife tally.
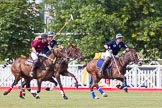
(149, 76)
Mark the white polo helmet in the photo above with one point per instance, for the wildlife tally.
(51, 34)
(119, 36)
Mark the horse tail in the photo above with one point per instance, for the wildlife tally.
(7, 63)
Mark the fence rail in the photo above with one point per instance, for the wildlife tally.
(149, 76)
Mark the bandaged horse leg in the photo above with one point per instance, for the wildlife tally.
(21, 94)
(95, 84)
(101, 91)
(92, 85)
(22, 90)
(125, 84)
(61, 87)
(33, 92)
(9, 90)
(54, 82)
(17, 78)
(67, 73)
(122, 78)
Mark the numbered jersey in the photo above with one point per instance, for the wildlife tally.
(115, 47)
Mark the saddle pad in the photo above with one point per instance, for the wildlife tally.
(29, 62)
(99, 63)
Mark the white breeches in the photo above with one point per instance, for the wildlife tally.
(34, 56)
(106, 54)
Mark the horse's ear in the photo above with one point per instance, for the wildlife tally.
(127, 49)
(73, 45)
(55, 51)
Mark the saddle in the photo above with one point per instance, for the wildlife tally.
(29, 62)
(108, 70)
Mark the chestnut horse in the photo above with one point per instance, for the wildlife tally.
(112, 71)
(59, 68)
(20, 69)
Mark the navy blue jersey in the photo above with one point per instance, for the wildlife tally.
(46, 49)
(115, 47)
(52, 43)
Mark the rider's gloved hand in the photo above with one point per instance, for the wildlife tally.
(110, 50)
(37, 53)
(123, 52)
(43, 55)
(50, 48)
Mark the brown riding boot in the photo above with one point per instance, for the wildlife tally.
(104, 65)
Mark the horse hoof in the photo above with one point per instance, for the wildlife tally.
(37, 97)
(96, 97)
(47, 89)
(104, 95)
(65, 97)
(21, 97)
(126, 89)
(38, 91)
(34, 94)
(76, 85)
(5, 93)
(118, 86)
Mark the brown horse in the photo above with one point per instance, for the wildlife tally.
(74, 53)
(59, 68)
(20, 69)
(112, 71)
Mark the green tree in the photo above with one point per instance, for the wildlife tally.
(143, 21)
(19, 20)
(140, 21)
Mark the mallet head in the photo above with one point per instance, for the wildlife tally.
(71, 17)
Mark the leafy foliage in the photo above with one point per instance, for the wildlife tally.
(19, 20)
(96, 21)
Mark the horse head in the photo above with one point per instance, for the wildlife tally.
(59, 53)
(74, 52)
(133, 57)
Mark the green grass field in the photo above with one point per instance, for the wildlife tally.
(82, 99)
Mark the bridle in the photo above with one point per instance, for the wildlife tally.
(133, 58)
(69, 52)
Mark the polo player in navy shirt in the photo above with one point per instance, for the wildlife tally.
(112, 47)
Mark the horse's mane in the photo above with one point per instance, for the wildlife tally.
(124, 59)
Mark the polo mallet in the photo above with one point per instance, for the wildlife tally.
(71, 18)
(115, 63)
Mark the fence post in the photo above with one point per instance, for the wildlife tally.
(159, 80)
(135, 73)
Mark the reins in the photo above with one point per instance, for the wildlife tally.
(116, 64)
(53, 60)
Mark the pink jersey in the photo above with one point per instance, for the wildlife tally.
(38, 45)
